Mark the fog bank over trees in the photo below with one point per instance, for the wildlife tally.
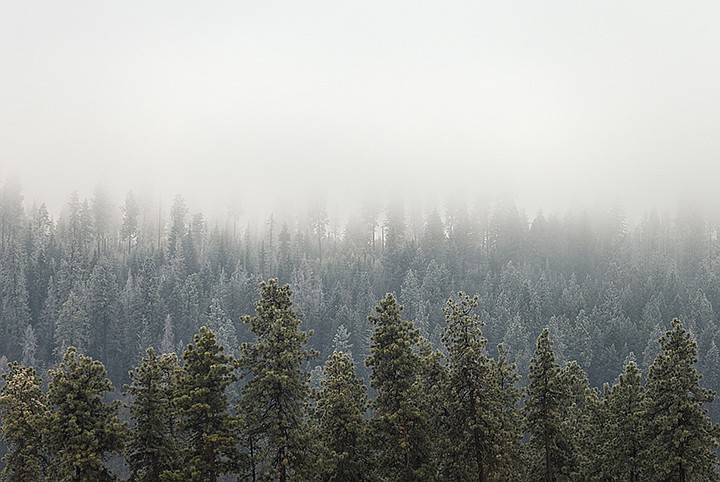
(561, 105)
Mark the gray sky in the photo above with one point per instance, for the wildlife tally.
(557, 102)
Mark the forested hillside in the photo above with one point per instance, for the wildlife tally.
(571, 325)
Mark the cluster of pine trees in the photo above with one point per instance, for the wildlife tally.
(433, 417)
(113, 279)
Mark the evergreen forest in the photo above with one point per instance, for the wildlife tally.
(464, 342)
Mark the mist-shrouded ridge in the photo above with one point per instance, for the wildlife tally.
(561, 105)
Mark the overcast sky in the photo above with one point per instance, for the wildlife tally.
(557, 102)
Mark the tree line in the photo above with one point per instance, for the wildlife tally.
(111, 279)
(458, 415)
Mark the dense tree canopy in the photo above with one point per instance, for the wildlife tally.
(447, 393)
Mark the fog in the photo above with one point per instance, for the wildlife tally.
(554, 104)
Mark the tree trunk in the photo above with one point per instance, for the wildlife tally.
(548, 467)
(478, 456)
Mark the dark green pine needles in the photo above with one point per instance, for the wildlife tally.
(207, 430)
(681, 438)
(400, 424)
(153, 450)
(550, 447)
(484, 428)
(340, 418)
(23, 410)
(82, 427)
(275, 399)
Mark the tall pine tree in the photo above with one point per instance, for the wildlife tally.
(622, 435)
(681, 436)
(550, 449)
(474, 406)
(152, 449)
(400, 424)
(340, 417)
(82, 427)
(206, 428)
(23, 410)
(275, 399)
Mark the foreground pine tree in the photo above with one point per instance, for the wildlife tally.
(206, 428)
(82, 428)
(578, 412)
(433, 377)
(400, 423)
(275, 399)
(339, 415)
(152, 449)
(507, 448)
(681, 436)
(622, 434)
(479, 436)
(550, 449)
(23, 410)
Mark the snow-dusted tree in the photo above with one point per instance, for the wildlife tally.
(222, 326)
(400, 425)
(206, 428)
(82, 428)
(153, 448)
(275, 399)
(340, 417)
(167, 342)
(341, 341)
(23, 410)
(681, 438)
(73, 324)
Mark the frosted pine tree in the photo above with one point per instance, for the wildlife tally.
(341, 341)
(681, 437)
(23, 409)
(167, 342)
(222, 326)
(275, 399)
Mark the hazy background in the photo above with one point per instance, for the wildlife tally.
(556, 103)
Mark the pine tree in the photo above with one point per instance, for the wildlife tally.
(11, 211)
(681, 436)
(473, 404)
(130, 228)
(167, 342)
(506, 448)
(102, 308)
(146, 318)
(73, 324)
(400, 422)
(341, 340)
(206, 427)
(222, 326)
(434, 380)
(23, 410)
(14, 309)
(340, 414)
(178, 225)
(152, 449)
(101, 217)
(82, 428)
(28, 342)
(411, 295)
(711, 375)
(275, 399)
(622, 433)
(550, 448)
(579, 401)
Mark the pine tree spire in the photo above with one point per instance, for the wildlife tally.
(23, 412)
(400, 425)
(275, 399)
(681, 436)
